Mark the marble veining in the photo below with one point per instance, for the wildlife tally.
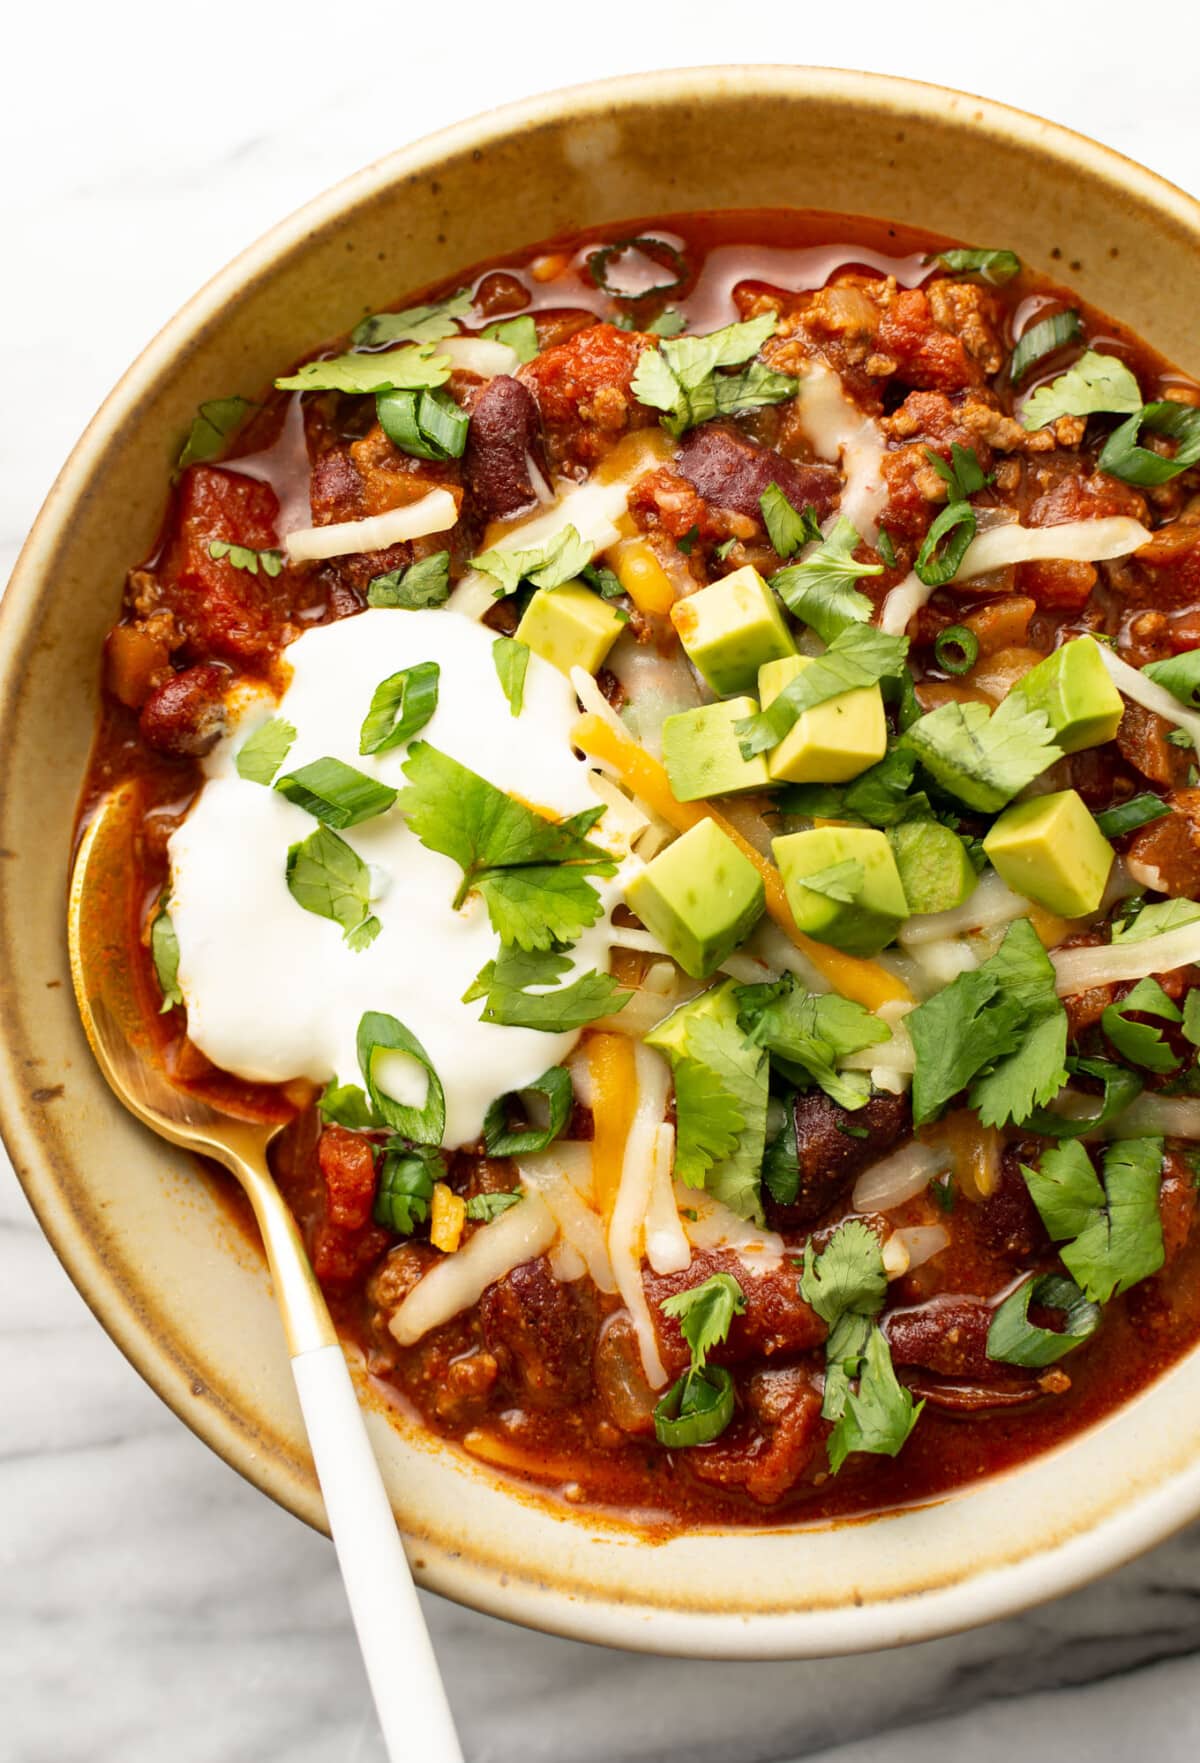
(152, 1605)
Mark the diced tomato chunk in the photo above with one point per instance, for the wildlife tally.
(347, 1163)
(224, 610)
(925, 355)
(583, 392)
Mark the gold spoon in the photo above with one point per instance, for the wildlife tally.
(403, 1672)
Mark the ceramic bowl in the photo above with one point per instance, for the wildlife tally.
(149, 1245)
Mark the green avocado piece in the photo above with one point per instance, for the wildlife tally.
(717, 1003)
(862, 924)
(570, 627)
(1074, 690)
(702, 755)
(1051, 850)
(700, 898)
(730, 629)
(935, 870)
(833, 741)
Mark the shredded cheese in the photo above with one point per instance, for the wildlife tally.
(1073, 541)
(905, 598)
(1148, 693)
(897, 1178)
(716, 1226)
(521, 1234)
(482, 356)
(863, 981)
(582, 1231)
(614, 1087)
(592, 509)
(435, 513)
(625, 1231)
(1078, 970)
(667, 1247)
(839, 431)
(446, 1218)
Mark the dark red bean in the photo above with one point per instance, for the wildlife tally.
(186, 717)
(505, 433)
(732, 472)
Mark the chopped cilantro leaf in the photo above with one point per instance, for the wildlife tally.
(425, 583)
(1115, 1231)
(405, 1190)
(999, 1029)
(484, 1207)
(262, 753)
(1156, 920)
(559, 560)
(1180, 674)
(347, 1105)
(164, 950)
(705, 1313)
(409, 368)
(519, 334)
(212, 426)
(802, 1030)
(860, 655)
(787, 527)
(681, 376)
(881, 796)
(963, 475)
(511, 660)
(1094, 385)
(1139, 1042)
(506, 986)
(821, 590)
(242, 557)
(983, 757)
(532, 872)
(327, 877)
(416, 324)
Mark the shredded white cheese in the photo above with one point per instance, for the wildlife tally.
(580, 1227)
(521, 1234)
(897, 1178)
(905, 598)
(1073, 541)
(480, 355)
(435, 513)
(839, 431)
(716, 1226)
(1148, 693)
(1078, 970)
(990, 902)
(626, 1226)
(667, 1248)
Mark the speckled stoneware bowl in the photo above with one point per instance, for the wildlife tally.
(149, 1246)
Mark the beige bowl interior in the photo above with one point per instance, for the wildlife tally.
(145, 1241)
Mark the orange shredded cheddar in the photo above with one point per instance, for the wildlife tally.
(642, 576)
(614, 1096)
(975, 1148)
(446, 1218)
(864, 981)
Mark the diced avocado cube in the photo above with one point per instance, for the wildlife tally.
(862, 924)
(702, 755)
(1074, 689)
(731, 629)
(935, 870)
(570, 627)
(831, 742)
(717, 1004)
(700, 898)
(1051, 850)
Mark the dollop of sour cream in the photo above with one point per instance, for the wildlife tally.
(273, 992)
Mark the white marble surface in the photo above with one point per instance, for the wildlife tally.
(151, 1604)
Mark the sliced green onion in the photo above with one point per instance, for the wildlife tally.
(555, 1086)
(695, 1410)
(1180, 674)
(337, 794)
(379, 1033)
(405, 1190)
(956, 649)
(1014, 1340)
(1042, 339)
(1121, 1087)
(1123, 458)
(401, 705)
(425, 424)
(662, 254)
(956, 524)
(520, 334)
(994, 267)
(1126, 817)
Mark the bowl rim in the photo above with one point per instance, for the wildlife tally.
(1127, 1529)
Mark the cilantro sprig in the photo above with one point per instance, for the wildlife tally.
(1140, 1042)
(1094, 385)
(1111, 1235)
(1000, 1032)
(560, 559)
(983, 757)
(422, 584)
(806, 1034)
(531, 872)
(821, 590)
(410, 368)
(327, 877)
(521, 989)
(698, 1408)
(416, 324)
(683, 376)
(846, 1284)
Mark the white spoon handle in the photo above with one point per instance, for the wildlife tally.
(401, 1665)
